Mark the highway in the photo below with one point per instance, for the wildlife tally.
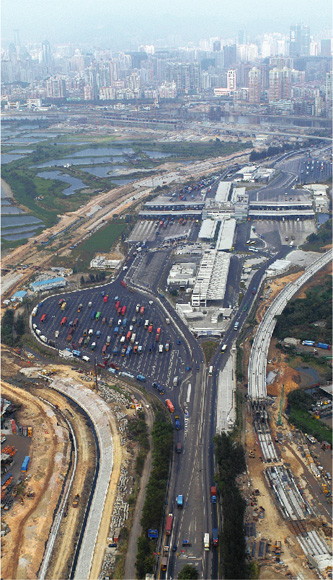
(258, 357)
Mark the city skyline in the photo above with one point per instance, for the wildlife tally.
(113, 27)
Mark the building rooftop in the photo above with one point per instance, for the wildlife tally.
(207, 230)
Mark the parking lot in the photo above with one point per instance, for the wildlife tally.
(134, 332)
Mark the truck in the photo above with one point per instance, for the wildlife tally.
(128, 335)
(133, 338)
(175, 381)
(25, 464)
(236, 325)
(180, 501)
(104, 349)
(63, 321)
(76, 500)
(123, 310)
(168, 526)
(206, 541)
(167, 346)
(210, 372)
(43, 318)
(124, 322)
(215, 536)
(213, 494)
(323, 345)
(170, 405)
(308, 342)
(177, 422)
(141, 378)
(116, 329)
(123, 283)
(76, 353)
(158, 387)
(63, 306)
(164, 563)
(128, 350)
(98, 315)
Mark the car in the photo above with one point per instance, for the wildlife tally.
(197, 368)
(245, 308)
(56, 334)
(174, 548)
(178, 341)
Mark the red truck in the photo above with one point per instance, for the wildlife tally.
(123, 310)
(168, 527)
(169, 405)
(43, 318)
(123, 283)
(63, 321)
(117, 304)
(213, 494)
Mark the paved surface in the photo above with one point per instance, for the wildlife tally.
(226, 408)
(99, 413)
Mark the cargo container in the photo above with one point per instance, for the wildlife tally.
(25, 464)
(215, 537)
(170, 405)
(206, 541)
(213, 494)
(158, 387)
(168, 526)
(323, 345)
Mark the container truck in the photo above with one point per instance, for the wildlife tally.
(180, 501)
(117, 304)
(213, 494)
(323, 345)
(170, 405)
(141, 378)
(168, 526)
(123, 283)
(158, 387)
(123, 310)
(25, 464)
(43, 318)
(63, 306)
(215, 537)
(133, 338)
(116, 330)
(128, 335)
(128, 350)
(76, 353)
(164, 563)
(206, 541)
(308, 342)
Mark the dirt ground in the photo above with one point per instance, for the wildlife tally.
(23, 547)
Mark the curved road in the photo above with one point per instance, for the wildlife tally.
(258, 357)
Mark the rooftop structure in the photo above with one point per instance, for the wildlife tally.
(43, 285)
(182, 274)
(207, 230)
(102, 262)
(18, 296)
(223, 192)
(211, 281)
(226, 235)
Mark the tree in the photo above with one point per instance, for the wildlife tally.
(82, 281)
(188, 572)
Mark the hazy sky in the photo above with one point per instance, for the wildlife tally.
(110, 23)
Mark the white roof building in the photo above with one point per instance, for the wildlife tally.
(207, 230)
(223, 191)
(211, 281)
(226, 234)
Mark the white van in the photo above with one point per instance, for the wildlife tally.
(86, 358)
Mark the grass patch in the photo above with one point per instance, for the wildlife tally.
(299, 405)
(209, 348)
(323, 237)
(101, 241)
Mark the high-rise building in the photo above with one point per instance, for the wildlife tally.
(254, 85)
(299, 40)
(216, 46)
(285, 79)
(329, 93)
(325, 47)
(231, 80)
(46, 52)
(230, 55)
(242, 37)
(274, 91)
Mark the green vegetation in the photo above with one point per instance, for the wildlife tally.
(184, 150)
(230, 459)
(188, 572)
(12, 330)
(209, 347)
(323, 237)
(154, 505)
(138, 430)
(299, 405)
(299, 316)
(101, 241)
(239, 364)
(270, 151)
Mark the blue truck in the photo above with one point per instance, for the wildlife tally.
(128, 350)
(158, 387)
(141, 378)
(308, 342)
(323, 345)
(180, 501)
(124, 321)
(177, 422)
(76, 353)
(215, 537)
(116, 330)
(25, 464)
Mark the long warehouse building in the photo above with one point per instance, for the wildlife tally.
(211, 280)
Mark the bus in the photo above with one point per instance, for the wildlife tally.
(206, 541)
(210, 372)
